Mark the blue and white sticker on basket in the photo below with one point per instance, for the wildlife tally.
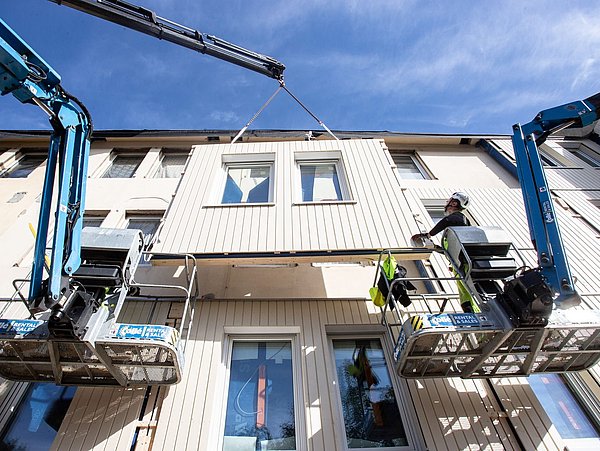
(144, 332)
(440, 320)
(18, 326)
(465, 320)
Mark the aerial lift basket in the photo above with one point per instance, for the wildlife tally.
(92, 348)
(502, 340)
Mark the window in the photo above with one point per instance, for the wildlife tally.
(25, 166)
(435, 209)
(409, 167)
(123, 166)
(147, 224)
(93, 219)
(550, 161)
(247, 183)
(566, 414)
(38, 417)
(171, 164)
(320, 182)
(371, 415)
(322, 177)
(587, 155)
(260, 399)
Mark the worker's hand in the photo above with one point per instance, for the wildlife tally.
(419, 239)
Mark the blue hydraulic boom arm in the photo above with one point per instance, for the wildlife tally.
(541, 217)
(25, 75)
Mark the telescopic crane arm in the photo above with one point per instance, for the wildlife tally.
(541, 217)
(148, 22)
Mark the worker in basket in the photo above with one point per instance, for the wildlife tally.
(454, 217)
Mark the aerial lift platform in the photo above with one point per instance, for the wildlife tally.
(529, 320)
(72, 336)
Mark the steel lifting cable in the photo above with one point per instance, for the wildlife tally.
(309, 112)
(284, 87)
(241, 132)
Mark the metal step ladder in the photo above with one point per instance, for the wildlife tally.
(92, 348)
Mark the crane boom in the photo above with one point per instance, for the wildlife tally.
(148, 22)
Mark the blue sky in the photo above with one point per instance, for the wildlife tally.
(407, 66)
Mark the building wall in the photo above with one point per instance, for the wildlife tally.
(309, 303)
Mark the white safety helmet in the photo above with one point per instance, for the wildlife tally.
(462, 198)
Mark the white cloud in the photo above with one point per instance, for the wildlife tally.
(227, 117)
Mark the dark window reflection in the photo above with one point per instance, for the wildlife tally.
(371, 414)
(38, 418)
(260, 401)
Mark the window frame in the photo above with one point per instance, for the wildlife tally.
(265, 334)
(115, 155)
(401, 392)
(244, 161)
(322, 158)
(439, 204)
(17, 408)
(20, 157)
(144, 216)
(545, 398)
(586, 154)
(166, 153)
(419, 164)
(94, 215)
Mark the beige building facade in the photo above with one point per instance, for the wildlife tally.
(286, 350)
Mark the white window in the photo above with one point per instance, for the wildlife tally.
(566, 413)
(25, 166)
(261, 400)
(322, 177)
(370, 410)
(93, 218)
(123, 165)
(435, 209)
(587, 155)
(37, 418)
(148, 224)
(249, 178)
(410, 167)
(171, 164)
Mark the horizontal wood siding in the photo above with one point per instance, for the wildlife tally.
(196, 223)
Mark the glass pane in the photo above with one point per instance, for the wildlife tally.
(548, 161)
(93, 221)
(407, 168)
(562, 407)
(371, 414)
(320, 182)
(25, 166)
(588, 157)
(38, 417)
(260, 401)
(147, 226)
(171, 166)
(249, 184)
(123, 167)
(436, 213)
